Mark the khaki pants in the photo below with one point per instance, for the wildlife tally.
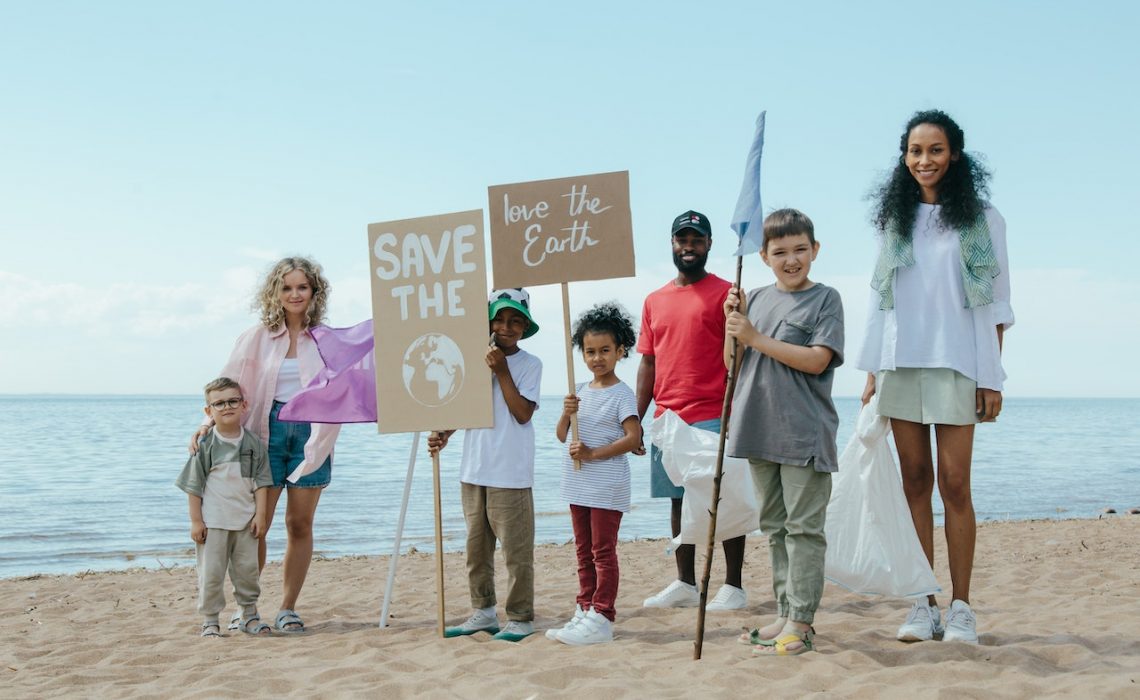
(793, 509)
(506, 515)
(235, 550)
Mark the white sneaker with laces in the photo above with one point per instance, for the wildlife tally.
(961, 624)
(481, 621)
(515, 631)
(922, 623)
(553, 632)
(676, 595)
(728, 598)
(593, 628)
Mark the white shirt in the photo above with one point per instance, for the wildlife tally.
(930, 325)
(602, 483)
(503, 456)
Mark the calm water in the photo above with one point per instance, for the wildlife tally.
(89, 480)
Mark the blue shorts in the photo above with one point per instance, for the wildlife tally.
(287, 451)
(660, 485)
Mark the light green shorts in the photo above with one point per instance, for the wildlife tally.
(929, 396)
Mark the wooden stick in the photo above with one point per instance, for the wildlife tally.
(438, 543)
(570, 363)
(728, 392)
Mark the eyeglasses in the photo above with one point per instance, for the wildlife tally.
(226, 403)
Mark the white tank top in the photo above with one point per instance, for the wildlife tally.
(288, 380)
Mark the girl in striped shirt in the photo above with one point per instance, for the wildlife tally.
(608, 428)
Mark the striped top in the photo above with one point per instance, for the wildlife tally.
(605, 483)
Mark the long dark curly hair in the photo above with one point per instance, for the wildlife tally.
(607, 317)
(962, 193)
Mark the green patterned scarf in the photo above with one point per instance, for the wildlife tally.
(977, 263)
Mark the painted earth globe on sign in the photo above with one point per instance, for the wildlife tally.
(433, 369)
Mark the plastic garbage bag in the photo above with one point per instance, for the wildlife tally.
(872, 547)
(689, 458)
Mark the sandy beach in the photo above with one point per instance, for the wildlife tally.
(1058, 605)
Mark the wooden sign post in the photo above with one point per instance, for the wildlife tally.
(559, 231)
(429, 309)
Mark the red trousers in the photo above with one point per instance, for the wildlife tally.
(595, 539)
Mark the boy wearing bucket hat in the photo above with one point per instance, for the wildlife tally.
(497, 472)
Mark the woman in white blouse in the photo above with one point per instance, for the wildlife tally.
(932, 348)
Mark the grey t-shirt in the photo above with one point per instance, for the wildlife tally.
(782, 414)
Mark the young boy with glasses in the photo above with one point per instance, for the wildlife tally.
(226, 480)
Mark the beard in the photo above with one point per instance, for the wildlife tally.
(698, 265)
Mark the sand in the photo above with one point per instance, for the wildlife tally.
(1058, 605)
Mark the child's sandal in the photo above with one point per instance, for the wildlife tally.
(255, 626)
(779, 646)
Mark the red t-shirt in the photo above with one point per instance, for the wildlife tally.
(683, 328)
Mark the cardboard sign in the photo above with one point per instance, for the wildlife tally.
(429, 309)
(551, 231)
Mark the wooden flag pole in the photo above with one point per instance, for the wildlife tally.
(728, 392)
(570, 363)
(438, 543)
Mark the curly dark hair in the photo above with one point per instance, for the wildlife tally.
(962, 192)
(607, 317)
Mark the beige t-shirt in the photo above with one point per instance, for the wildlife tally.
(227, 500)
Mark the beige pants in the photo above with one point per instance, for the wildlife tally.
(506, 515)
(793, 509)
(235, 550)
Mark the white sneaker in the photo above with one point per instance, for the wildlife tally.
(922, 623)
(961, 624)
(553, 632)
(593, 628)
(481, 621)
(676, 595)
(515, 631)
(728, 598)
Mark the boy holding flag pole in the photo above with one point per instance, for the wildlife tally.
(747, 222)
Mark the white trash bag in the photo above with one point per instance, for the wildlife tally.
(872, 547)
(689, 458)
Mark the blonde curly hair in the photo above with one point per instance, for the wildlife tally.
(267, 301)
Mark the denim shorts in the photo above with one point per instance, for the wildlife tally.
(660, 485)
(287, 451)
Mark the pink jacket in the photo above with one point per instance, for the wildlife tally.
(254, 363)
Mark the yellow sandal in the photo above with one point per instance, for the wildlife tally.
(779, 647)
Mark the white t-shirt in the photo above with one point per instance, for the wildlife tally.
(227, 500)
(602, 483)
(930, 325)
(503, 456)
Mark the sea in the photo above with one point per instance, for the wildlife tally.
(88, 481)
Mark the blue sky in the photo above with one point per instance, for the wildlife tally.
(155, 157)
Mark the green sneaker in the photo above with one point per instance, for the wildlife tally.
(515, 631)
(481, 621)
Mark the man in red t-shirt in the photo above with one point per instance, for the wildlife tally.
(682, 369)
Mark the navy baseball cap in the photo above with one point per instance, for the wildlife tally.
(694, 220)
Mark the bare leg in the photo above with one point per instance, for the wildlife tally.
(912, 440)
(955, 452)
(299, 510)
(271, 508)
(685, 554)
